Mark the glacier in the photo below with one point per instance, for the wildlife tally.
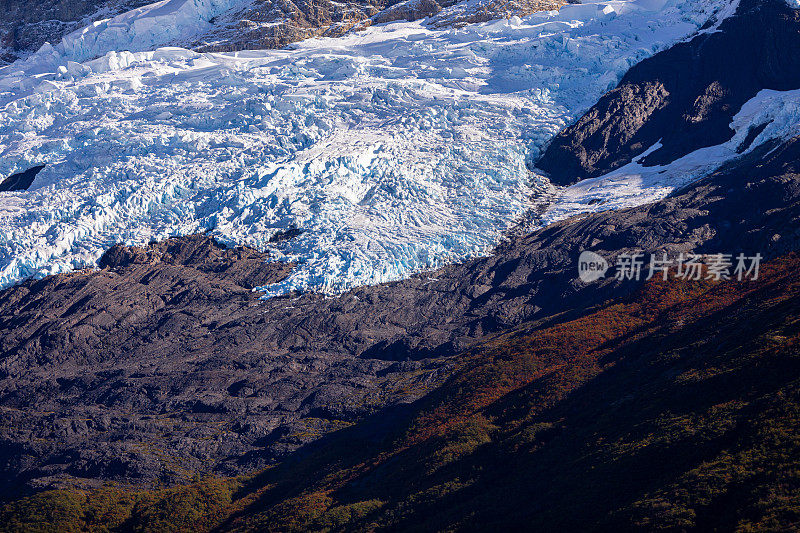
(394, 150)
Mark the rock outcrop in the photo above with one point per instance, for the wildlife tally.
(268, 24)
(683, 98)
(261, 24)
(20, 181)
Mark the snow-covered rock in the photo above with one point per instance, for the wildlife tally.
(145, 28)
(775, 113)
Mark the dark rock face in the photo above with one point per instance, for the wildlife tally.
(156, 367)
(20, 181)
(164, 363)
(684, 97)
(286, 235)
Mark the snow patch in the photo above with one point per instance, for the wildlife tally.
(635, 184)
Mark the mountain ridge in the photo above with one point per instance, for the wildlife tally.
(684, 98)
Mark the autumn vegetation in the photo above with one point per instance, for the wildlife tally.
(675, 409)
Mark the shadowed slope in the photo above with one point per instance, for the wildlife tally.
(675, 408)
(683, 97)
(20, 181)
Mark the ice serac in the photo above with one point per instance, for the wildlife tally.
(216, 25)
(26, 26)
(144, 28)
(394, 150)
(684, 98)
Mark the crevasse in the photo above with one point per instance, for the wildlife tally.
(394, 150)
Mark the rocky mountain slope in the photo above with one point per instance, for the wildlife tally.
(673, 409)
(275, 24)
(500, 392)
(683, 98)
(164, 339)
(155, 368)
